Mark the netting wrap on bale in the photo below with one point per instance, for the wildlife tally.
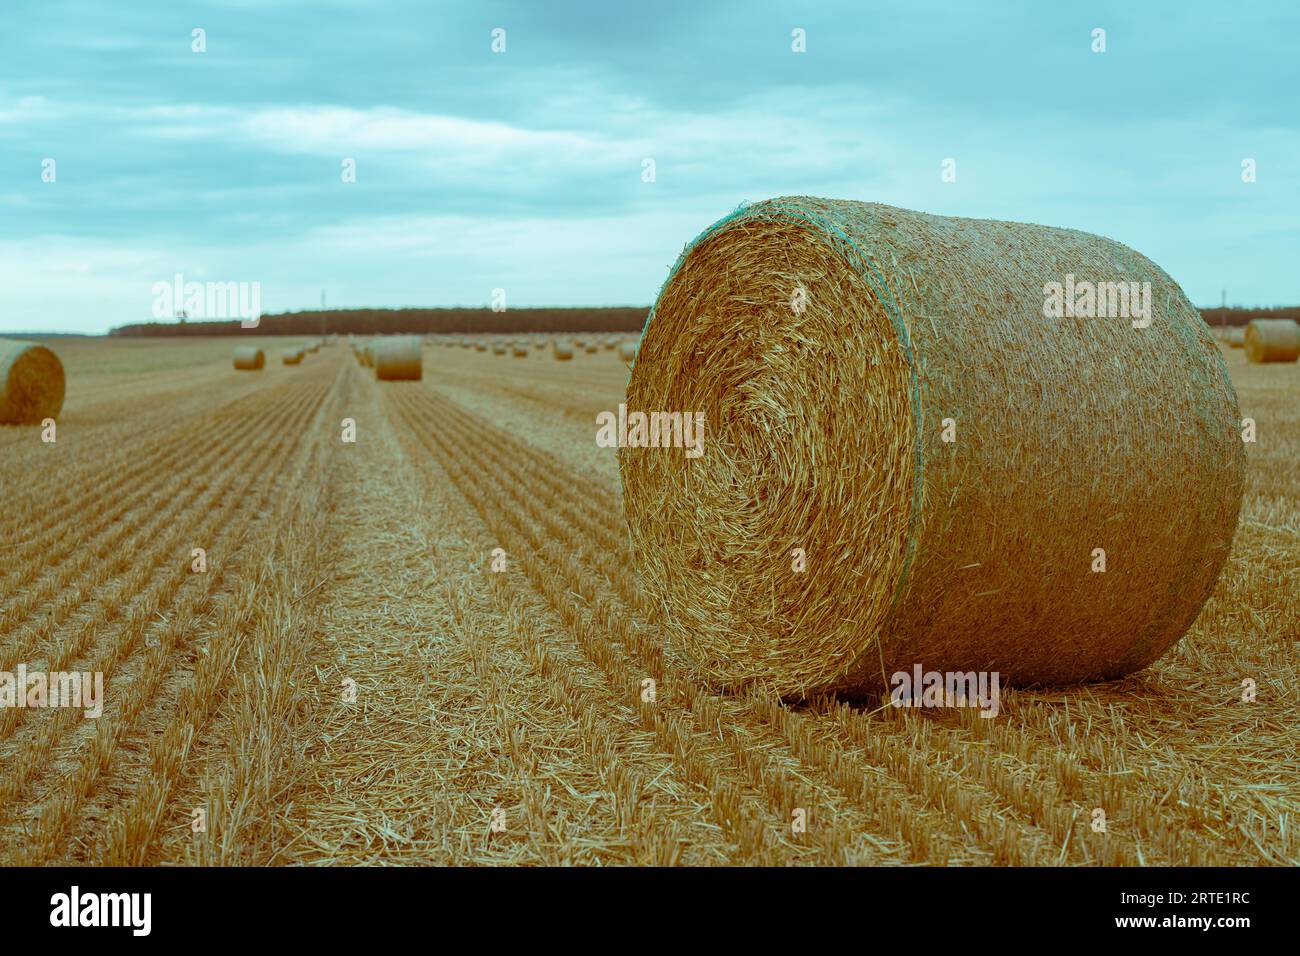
(31, 383)
(249, 358)
(911, 457)
(398, 358)
(1272, 340)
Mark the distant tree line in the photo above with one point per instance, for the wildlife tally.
(1240, 314)
(388, 321)
(605, 319)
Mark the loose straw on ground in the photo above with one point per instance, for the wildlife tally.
(31, 383)
(906, 462)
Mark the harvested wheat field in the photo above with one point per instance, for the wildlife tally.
(429, 646)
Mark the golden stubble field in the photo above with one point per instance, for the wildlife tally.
(349, 682)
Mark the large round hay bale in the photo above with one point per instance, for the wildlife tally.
(31, 383)
(519, 350)
(907, 462)
(563, 350)
(627, 351)
(399, 358)
(249, 358)
(498, 348)
(291, 356)
(591, 348)
(1236, 338)
(1272, 340)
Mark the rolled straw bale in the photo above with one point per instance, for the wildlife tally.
(291, 357)
(1272, 340)
(627, 351)
(249, 358)
(830, 346)
(399, 358)
(591, 348)
(609, 344)
(539, 345)
(520, 350)
(31, 383)
(563, 350)
(1236, 338)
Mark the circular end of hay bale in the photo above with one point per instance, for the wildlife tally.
(1272, 340)
(249, 358)
(827, 535)
(32, 383)
(399, 358)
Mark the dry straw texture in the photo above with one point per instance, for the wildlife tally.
(825, 426)
(399, 358)
(249, 358)
(563, 350)
(1272, 340)
(31, 383)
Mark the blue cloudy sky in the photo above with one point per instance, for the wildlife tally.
(522, 170)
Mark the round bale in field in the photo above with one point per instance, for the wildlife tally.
(627, 351)
(291, 357)
(249, 358)
(519, 350)
(892, 451)
(31, 383)
(563, 350)
(1272, 340)
(398, 358)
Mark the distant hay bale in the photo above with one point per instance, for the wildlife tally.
(609, 344)
(498, 348)
(562, 349)
(907, 462)
(249, 358)
(539, 345)
(1236, 338)
(520, 350)
(480, 346)
(31, 383)
(1272, 340)
(291, 357)
(399, 358)
(368, 354)
(627, 351)
(591, 348)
